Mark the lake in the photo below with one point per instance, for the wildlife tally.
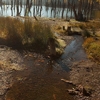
(43, 11)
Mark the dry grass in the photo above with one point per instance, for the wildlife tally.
(92, 48)
(58, 29)
(38, 34)
(89, 28)
(88, 41)
(24, 33)
(14, 32)
(87, 25)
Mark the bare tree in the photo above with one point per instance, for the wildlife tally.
(84, 9)
(28, 7)
(63, 8)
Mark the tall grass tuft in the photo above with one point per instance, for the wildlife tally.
(36, 34)
(41, 34)
(88, 41)
(92, 48)
(25, 33)
(14, 32)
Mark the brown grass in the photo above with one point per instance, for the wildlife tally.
(87, 25)
(88, 41)
(92, 48)
(24, 33)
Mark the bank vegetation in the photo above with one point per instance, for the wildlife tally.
(24, 33)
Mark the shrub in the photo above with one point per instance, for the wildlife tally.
(86, 33)
(14, 30)
(26, 33)
(94, 51)
(82, 26)
(92, 48)
(37, 34)
(88, 41)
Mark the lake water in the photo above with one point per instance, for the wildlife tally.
(42, 11)
(50, 12)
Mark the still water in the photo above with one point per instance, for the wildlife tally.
(7, 10)
(41, 80)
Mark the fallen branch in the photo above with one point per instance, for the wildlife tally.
(67, 81)
(80, 90)
(72, 91)
(35, 18)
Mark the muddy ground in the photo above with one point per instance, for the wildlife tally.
(10, 62)
(31, 76)
(22, 71)
(83, 71)
(87, 74)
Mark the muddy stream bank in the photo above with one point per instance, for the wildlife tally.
(30, 76)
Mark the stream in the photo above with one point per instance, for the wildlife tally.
(73, 52)
(40, 79)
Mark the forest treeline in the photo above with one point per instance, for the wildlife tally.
(82, 9)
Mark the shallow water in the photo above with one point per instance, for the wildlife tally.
(41, 80)
(75, 50)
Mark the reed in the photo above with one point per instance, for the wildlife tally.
(25, 33)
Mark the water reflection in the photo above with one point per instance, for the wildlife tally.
(42, 11)
(49, 8)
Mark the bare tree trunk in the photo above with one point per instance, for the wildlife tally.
(79, 13)
(91, 9)
(20, 6)
(17, 8)
(63, 9)
(1, 4)
(40, 7)
(28, 7)
(11, 7)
